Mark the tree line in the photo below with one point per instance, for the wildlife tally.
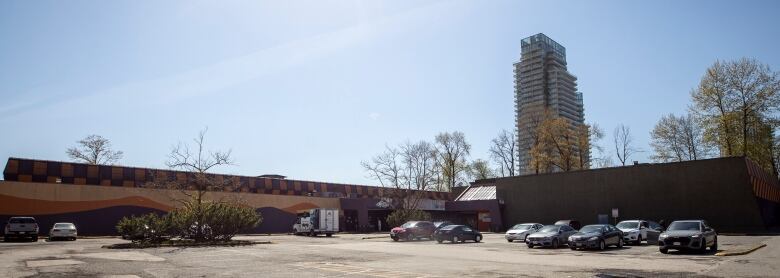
(733, 112)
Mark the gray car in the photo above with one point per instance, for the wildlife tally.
(688, 235)
(520, 231)
(550, 235)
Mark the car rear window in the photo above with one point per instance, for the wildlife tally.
(64, 226)
(22, 220)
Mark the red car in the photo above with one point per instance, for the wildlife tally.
(413, 230)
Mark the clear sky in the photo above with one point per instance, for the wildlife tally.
(308, 89)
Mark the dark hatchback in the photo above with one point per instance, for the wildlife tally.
(413, 230)
(596, 236)
(457, 233)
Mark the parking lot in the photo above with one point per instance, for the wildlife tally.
(375, 255)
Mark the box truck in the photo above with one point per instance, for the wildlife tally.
(317, 221)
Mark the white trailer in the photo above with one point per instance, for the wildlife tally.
(317, 221)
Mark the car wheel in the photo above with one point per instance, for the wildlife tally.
(703, 247)
(663, 250)
(602, 245)
(6, 239)
(439, 240)
(530, 246)
(478, 238)
(573, 248)
(395, 238)
(328, 235)
(620, 243)
(714, 247)
(409, 237)
(638, 240)
(35, 239)
(555, 243)
(73, 239)
(510, 240)
(455, 239)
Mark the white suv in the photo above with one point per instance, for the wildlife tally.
(635, 231)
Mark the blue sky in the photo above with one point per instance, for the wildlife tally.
(308, 89)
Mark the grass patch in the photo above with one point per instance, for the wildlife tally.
(183, 243)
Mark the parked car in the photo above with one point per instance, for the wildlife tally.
(442, 224)
(550, 235)
(457, 233)
(413, 230)
(635, 231)
(572, 223)
(596, 236)
(688, 234)
(63, 231)
(520, 231)
(21, 227)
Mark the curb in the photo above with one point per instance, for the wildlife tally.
(740, 252)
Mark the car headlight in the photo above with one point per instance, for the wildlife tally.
(594, 238)
(571, 238)
(633, 232)
(695, 236)
(663, 236)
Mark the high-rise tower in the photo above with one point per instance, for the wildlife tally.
(542, 83)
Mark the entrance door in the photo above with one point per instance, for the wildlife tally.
(350, 220)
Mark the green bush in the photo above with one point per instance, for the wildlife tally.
(216, 222)
(401, 216)
(224, 221)
(149, 227)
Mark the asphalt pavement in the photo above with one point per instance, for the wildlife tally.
(350, 255)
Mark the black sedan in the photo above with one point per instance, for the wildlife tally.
(457, 233)
(596, 236)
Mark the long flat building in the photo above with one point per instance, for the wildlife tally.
(733, 194)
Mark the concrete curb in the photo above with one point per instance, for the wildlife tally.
(740, 252)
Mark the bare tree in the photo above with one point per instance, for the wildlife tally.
(95, 150)
(678, 139)
(504, 152)
(421, 171)
(196, 162)
(452, 150)
(405, 172)
(480, 170)
(624, 143)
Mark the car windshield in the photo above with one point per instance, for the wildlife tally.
(521, 227)
(22, 220)
(591, 229)
(408, 224)
(628, 225)
(550, 228)
(64, 226)
(684, 226)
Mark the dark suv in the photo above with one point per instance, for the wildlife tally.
(688, 235)
(413, 230)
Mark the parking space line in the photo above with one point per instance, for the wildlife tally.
(351, 270)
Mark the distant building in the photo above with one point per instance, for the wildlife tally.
(542, 82)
